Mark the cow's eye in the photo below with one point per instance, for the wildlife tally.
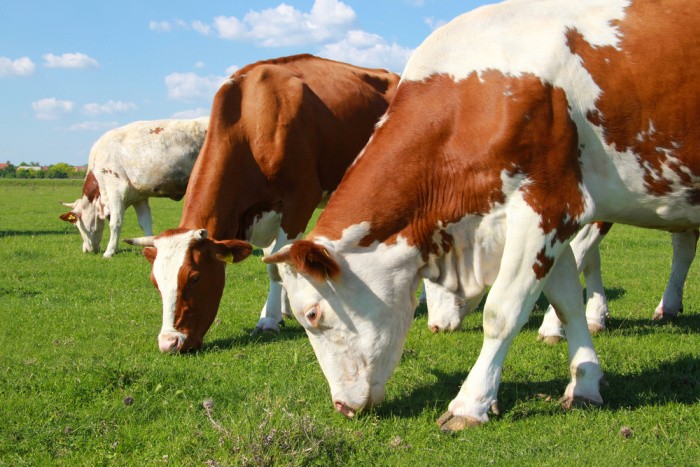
(194, 279)
(313, 316)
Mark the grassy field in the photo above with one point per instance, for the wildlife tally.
(82, 381)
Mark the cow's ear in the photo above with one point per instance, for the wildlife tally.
(69, 216)
(150, 253)
(308, 258)
(232, 251)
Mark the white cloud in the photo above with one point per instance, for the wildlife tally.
(192, 113)
(229, 27)
(191, 86)
(93, 126)
(232, 69)
(69, 60)
(199, 65)
(51, 108)
(366, 49)
(434, 23)
(20, 67)
(108, 107)
(284, 25)
(161, 26)
(201, 28)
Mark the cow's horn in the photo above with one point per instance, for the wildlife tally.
(68, 205)
(140, 241)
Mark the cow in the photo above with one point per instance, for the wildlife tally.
(446, 311)
(281, 135)
(512, 127)
(128, 165)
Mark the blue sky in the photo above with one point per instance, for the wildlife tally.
(71, 70)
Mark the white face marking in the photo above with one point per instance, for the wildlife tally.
(169, 260)
(366, 314)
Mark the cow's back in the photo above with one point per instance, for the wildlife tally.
(282, 132)
(154, 157)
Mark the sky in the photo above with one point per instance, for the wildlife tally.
(71, 70)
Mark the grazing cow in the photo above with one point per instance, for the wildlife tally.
(446, 311)
(513, 126)
(282, 133)
(127, 166)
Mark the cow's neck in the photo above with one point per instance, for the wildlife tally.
(221, 194)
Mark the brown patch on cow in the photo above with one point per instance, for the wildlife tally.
(156, 130)
(91, 188)
(640, 71)
(421, 168)
(281, 133)
(70, 216)
(543, 264)
(313, 260)
(604, 227)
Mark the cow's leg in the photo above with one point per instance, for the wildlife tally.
(116, 218)
(587, 254)
(445, 309)
(509, 303)
(684, 245)
(143, 213)
(277, 304)
(563, 290)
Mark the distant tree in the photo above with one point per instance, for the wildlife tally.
(60, 170)
(9, 171)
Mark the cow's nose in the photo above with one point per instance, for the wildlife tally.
(344, 409)
(168, 342)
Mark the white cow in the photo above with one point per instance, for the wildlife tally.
(127, 166)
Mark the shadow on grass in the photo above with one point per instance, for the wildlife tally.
(287, 333)
(677, 381)
(34, 233)
(686, 321)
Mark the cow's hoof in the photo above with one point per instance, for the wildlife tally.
(661, 315)
(108, 254)
(570, 403)
(449, 423)
(595, 328)
(551, 340)
(264, 330)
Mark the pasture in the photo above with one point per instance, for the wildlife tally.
(82, 381)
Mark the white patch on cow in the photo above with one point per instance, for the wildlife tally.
(171, 256)
(264, 229)
(495, 37)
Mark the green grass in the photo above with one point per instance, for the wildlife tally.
(78, 336)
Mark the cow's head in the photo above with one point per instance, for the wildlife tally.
(356, 309)
(89, 217)
(189, 272)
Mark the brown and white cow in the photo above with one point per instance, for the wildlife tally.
(281, 135)
(127, 166)
(513, 126)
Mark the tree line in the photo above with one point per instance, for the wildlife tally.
(34, 170)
